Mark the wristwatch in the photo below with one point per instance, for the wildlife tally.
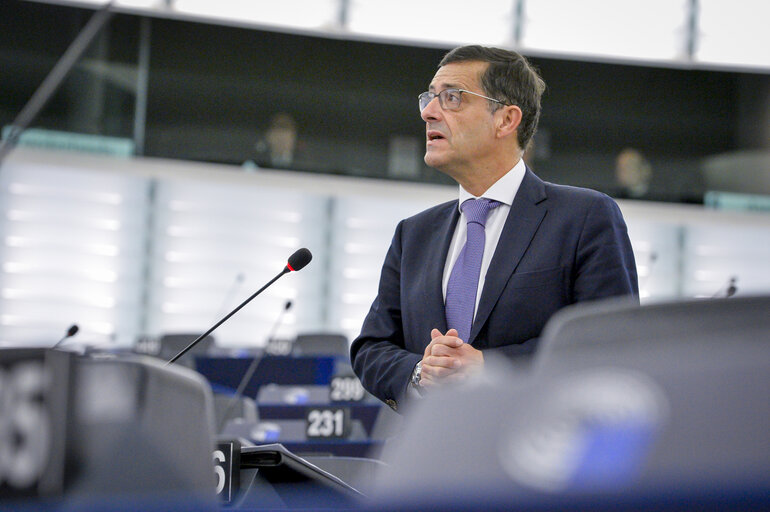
(416, 374)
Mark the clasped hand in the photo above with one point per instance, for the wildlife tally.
(447, 359)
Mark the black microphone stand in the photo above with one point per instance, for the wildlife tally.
(250, 370)
(297, 261)
(286, 270)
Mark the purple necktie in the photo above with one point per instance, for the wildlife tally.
(464, 279)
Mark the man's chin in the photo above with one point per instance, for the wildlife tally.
(434, 161)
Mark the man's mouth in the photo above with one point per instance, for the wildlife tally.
(433, 135)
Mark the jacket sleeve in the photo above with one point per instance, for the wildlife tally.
(378, 356)
(604, 260)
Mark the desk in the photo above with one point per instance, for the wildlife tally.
(291, 403)
(291, 434)
(228, 371)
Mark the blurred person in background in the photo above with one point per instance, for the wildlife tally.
(532, 247)
(276, 148)
(633, 174)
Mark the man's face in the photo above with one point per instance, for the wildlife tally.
(458, 140)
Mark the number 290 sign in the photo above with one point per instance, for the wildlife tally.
(346, 388)
(328, 423)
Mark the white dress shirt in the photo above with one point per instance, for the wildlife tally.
(503, 190)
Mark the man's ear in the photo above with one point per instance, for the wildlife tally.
(508, 120)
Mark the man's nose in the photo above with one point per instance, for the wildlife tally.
(432, 110)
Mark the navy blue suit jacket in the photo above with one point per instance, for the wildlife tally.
(560, 245)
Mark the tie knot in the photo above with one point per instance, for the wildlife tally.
(476, 210)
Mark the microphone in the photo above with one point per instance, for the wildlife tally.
(297, 261)
(274, 347)
(286, 307)
(252, 367)
(73, 330)
(731, 288)
(729, 291)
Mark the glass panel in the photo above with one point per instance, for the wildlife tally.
(295, 13)
(734, 32)
(147, 4)
(654, 29)
(351, 105)
(451, 21)
(98, 95)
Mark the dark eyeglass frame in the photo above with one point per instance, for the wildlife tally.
(444, 98)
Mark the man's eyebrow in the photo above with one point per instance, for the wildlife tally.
(444, 86)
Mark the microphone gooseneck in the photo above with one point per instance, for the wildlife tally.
(297, 261)
(286, 307)
(251, 369)
(235, 286)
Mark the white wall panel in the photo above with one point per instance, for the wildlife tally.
(213, 245)
(139, 251)
(657, 251)
(72, 251)
(714, 254)
(362, 229)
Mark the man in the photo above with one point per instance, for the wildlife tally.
(633, 174)
(532, 247)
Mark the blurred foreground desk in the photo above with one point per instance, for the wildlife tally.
(92, 433)
(664, 406)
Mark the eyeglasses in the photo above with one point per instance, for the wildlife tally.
(449, 99)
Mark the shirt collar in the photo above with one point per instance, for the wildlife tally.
(503, 190)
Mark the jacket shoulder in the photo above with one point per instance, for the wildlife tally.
(432, 214)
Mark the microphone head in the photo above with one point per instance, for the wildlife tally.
(299, 259)
(731, 288)
(287, 306)
(73, 330)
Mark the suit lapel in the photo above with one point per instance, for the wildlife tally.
(524, 218)
(438, 247)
